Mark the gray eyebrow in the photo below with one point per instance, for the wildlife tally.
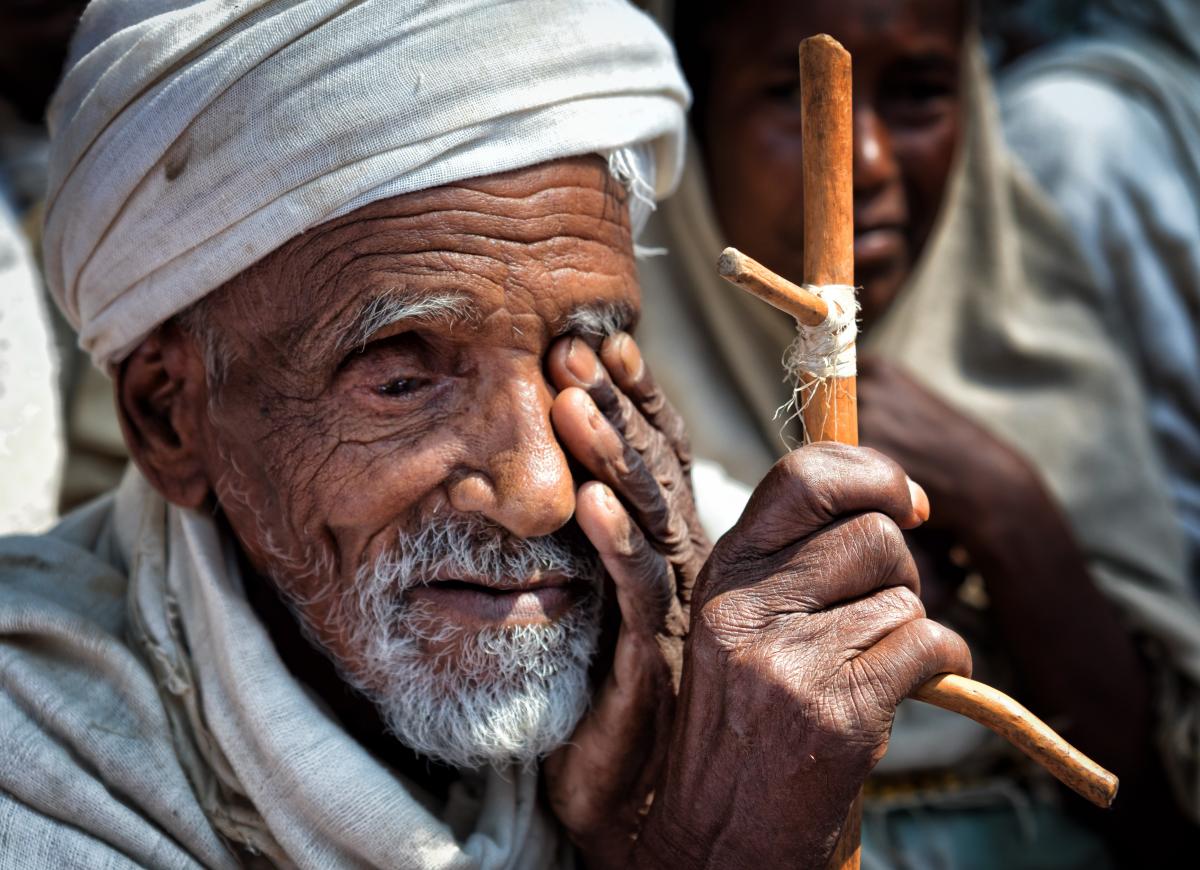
(396, 307)
(600, 319)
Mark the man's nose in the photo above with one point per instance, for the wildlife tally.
(874, 161)
(521, 479)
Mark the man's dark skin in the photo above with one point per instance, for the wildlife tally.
(806, 624)
(1075, 663)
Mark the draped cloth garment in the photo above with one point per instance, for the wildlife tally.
(999, 319)
(1109, 125)
(192, 137)
(147, 719)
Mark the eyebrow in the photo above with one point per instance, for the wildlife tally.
(400, 307)
(599, 319)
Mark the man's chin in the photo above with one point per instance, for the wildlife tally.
(508, 695)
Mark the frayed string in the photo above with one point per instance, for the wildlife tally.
(819, 353)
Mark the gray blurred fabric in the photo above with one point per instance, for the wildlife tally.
(1109, 125)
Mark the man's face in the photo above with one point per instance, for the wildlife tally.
(906, 57)
(381, 446)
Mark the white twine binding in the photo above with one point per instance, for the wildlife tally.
(820, 352)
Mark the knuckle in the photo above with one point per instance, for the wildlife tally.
(879, 541)
(812, 473)
(677, 536)
(894, 606)
(885, 535)
(942, 641)
(641, 438)
(654, 401)
(654, 510)
(807, 491)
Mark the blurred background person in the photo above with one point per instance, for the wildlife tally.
(1108, 122)
(987, 370)
(80, 454)
(33, 40)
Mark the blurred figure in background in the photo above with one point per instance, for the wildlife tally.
(33, 39)
(987, 372)
(34, 35)
(1109, 124)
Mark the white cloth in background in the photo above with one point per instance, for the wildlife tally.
(31, 440)
(144, 710)
(189, 139)
(1109, 125)
(720, 498)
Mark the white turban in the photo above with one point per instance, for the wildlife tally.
(189, 139)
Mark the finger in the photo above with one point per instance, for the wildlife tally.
(816, 484)
(643, 579)
(623, 359)
(858, 625)
(845, 562)
(591, 438)
(636, 698)
(577, 365)
(910, 655)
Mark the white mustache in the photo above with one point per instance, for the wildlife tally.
(472, 548)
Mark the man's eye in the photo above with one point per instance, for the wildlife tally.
(398, 387)
(917, 100)
(785, 91)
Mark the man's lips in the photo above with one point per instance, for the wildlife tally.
(879, 244)
(472, 601)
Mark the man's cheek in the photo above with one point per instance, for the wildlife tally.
(371, 492)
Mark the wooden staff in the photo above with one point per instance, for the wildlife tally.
(830, 411)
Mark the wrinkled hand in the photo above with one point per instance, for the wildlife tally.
(639, 514)
(807, 630)
(962, 466)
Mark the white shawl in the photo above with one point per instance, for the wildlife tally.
(146, 718)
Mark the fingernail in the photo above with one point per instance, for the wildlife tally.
(920, 501)
(631, 357)
(582, 362)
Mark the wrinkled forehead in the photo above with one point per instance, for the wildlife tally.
(549, 243)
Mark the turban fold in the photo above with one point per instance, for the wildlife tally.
(190, 139)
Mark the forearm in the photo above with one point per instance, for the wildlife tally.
(1075, 659)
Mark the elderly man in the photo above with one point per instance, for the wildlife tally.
(404, 572)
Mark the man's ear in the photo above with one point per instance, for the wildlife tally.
(162, 401)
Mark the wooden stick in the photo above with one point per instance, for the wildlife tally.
(827, 134)
(825, 87)
(972, 699)
(1027, 732)
(830, 407)
(755, 278)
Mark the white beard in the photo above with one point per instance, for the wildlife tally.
(500, 695)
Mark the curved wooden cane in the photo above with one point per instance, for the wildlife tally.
(830, 411)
